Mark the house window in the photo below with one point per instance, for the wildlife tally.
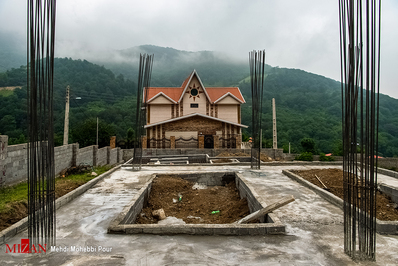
(194, 105)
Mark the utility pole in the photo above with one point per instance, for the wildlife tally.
(275, 142)
(66, 124)
(96, 143)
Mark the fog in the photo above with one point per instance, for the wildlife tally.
(295, 34)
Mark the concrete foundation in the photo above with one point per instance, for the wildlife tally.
(269, 224)
(314, 228)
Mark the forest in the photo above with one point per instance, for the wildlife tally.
(307, 105)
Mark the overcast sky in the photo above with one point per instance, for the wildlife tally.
(295, 34)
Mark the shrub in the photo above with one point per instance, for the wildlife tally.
(305, 156)
(323, 157)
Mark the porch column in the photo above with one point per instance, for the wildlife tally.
(239, 141)
(144, 142)
(216, 141)
(201, 140)
(172, 142)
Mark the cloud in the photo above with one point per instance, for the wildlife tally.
(295, 34)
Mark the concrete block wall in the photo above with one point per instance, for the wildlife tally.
(102, 156)
(14, 159)
(387, 163)
(16, 163)
(3, 156)
(64, 156)
(113, 155)
(86, 156)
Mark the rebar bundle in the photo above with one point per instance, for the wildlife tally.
(144, 79)
(41, 172)
(360, 76)
(257, 63)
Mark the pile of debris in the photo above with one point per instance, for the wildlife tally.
(75, 170)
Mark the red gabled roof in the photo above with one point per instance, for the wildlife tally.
(172, 93)
(217, 93)
(175, 93)
(184, 84)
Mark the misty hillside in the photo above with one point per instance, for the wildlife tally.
(12, 51)
(308, 105)
(171, 66)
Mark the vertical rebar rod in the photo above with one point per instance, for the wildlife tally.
(257, 67)
(144, 79)
(360, 75)
(40, 76)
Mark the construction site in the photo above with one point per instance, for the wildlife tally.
(197, 183)
(97, 226)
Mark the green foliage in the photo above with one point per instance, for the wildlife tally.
(307, 105)
(308, 145)
(6, 93)
(245, 136)
(85, 133)
(323, 157)
(15, 193)
(338, 148)
(305, 156)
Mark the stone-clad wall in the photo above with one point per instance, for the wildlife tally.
(14, 159)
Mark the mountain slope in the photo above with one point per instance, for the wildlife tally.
(307, 105)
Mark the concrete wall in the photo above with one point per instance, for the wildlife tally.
(388, 163)
(14, 159)
(85, 156)
(65, 156)
(102, 156)
(113, 156)
(16, 162)
(3, 155)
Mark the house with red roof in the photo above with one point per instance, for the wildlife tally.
(193, 116)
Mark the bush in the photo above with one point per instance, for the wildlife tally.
(323, 157)
(305, 156)
(308, 145)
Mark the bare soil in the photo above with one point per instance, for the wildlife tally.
(333, 179)
(199, 203)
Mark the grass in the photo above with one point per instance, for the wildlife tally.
(19, 192)
(6, 93)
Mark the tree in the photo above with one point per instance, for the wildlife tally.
(85, 133)
(308, 145)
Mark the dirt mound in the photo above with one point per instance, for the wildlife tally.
(178, 199)
(333, 179)
(15, 212)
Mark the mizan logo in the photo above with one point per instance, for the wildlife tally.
(25, 247)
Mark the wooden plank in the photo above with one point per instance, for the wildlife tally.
(268, 209)
(321, 182)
